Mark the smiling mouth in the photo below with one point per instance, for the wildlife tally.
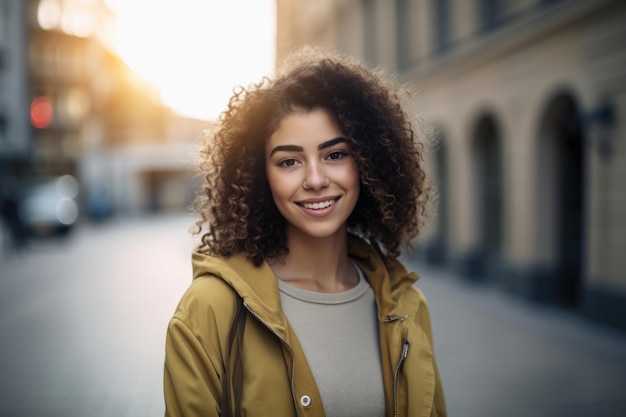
(319, 205)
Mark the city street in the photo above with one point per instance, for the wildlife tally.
(82, 324)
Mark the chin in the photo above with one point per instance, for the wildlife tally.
(324, 232)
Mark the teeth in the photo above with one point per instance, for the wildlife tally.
(318, 206)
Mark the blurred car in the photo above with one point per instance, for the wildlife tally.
(99, 203)
(49, 206)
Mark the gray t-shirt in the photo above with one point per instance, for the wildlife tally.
(339, 335)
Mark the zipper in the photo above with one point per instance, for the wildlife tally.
(293, 358)
(390, 319)
(403, 354)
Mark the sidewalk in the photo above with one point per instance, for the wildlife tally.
(502, 356)
(83, 322)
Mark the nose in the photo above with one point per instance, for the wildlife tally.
(316, 178)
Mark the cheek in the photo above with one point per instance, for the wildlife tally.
(356, 185)
(356, 176)
(279, 185)
(272, 182)
(280, 194)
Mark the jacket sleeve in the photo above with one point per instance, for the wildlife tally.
(192, 374)
(439, 402)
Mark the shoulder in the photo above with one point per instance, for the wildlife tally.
(409, 296)
(414, 294)
(415, 300)
(208, 303)
(205, 292)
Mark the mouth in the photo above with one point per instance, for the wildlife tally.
(318, 205)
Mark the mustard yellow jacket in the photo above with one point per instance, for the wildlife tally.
(276, 374)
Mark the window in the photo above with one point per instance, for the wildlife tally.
(4, 20)
(369, 31)
(491, 14)
(403, 34)
(441, 9)
(3, 130)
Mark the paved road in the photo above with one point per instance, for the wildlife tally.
(501, 356)
(83, 320)
(82, 324)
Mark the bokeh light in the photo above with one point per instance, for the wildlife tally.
(195, 52)
(41, 112)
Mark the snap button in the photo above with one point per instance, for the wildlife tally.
(305, 400)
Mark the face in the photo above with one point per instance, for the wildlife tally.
(313, 178)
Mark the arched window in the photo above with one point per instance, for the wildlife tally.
(560, 199)
(438, 246)
(488, 180)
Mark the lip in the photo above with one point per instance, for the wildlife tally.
(318, 212)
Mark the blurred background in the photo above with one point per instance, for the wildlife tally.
(102, 105)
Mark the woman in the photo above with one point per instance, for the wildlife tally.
(299, 305)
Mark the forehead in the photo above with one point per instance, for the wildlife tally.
(305, 126)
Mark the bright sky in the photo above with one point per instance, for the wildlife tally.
(197, 51)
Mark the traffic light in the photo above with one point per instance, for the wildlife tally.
(41, 112)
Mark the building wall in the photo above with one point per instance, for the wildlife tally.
(102, 115)
(527, 82)
(13, 82)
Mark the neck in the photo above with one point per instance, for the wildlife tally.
(317, 264)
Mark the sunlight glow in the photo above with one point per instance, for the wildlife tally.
(196, 51)
(48, 14)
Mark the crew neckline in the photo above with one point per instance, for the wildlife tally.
(325, 297)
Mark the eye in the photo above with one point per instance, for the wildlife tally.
(286, 163)
(336, 155)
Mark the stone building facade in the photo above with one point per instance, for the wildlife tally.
(528, 98)
(70, 106)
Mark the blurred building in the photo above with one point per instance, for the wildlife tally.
(69, 105)
(530, 159)
(14, 124)
(67, 81)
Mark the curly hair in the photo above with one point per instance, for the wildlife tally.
(238, 214)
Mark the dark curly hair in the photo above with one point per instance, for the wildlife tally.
(238, 214)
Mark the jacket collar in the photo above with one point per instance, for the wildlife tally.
(388, 280)
(258, 286)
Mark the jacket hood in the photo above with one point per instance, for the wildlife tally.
(388, 291)
(258, 286)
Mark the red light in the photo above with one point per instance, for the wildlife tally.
(41, 112)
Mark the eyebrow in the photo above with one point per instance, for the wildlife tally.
(296, 148)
